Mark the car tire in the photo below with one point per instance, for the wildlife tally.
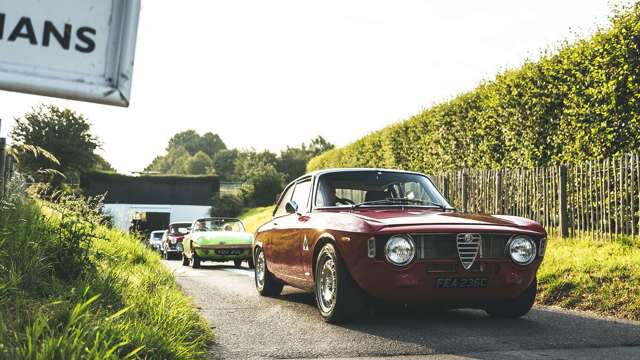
(338, 297)
(185, 260)
(195, 260)
(515, 308)
(237, 263)
(266, 283)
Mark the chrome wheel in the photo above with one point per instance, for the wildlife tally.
(327, 285)
(260, 271)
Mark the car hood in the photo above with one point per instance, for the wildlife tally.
(432, 217)
(226, 237)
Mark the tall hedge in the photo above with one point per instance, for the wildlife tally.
(579, 102)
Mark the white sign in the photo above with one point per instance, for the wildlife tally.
(74, 49)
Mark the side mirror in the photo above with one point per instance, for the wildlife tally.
(291, 207)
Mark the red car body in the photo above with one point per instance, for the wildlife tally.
(172, 245)
(291, 243)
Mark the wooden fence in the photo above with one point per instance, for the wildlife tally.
(599, 198)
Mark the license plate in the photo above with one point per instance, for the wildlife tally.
(229, 251)
(461, 283)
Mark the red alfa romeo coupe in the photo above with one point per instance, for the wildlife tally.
(349, 234)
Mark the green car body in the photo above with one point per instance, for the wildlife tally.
(219, 240)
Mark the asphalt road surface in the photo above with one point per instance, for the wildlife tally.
(248, 326)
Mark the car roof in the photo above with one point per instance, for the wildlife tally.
(180, 223)
(158, 231)
(337, 170)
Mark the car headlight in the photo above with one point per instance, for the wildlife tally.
(179, 247)
(400, 250)
(522, 250)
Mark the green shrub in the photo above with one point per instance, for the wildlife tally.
(581, 102)
(227, 205)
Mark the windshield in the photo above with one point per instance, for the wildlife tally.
(233, 225)
(376, 188)
(157, 235)
(179, 229)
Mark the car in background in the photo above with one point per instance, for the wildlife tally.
(173, 238)
(217, 239)
(349, 235)
(155, 240)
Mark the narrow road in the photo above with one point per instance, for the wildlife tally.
(248, 326)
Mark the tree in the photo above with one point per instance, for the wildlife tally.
(249, 161)
(211, 144)
(293, 161)
(102, 164)
(63, 133)
(319, 145)
(191, 141)
(198, 164)
(171, 163)
(224, 164)
(263, 185)
(226, 205)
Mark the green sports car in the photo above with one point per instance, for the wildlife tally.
(217, 239)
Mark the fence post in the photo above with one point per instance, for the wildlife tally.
(465, 191)
(445, 186)
(498, 203)
(562, 195)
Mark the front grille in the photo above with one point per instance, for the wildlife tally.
(468, 248)
(444, 246)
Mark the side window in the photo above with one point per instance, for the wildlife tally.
(280, 210)
(301, 195)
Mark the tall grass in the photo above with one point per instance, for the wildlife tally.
(71, 288)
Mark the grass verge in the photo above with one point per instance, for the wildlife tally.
(71, 288)
(253, 218)
(598, 276)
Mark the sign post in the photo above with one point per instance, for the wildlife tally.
(73, 49)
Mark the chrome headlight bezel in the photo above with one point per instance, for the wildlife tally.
(516, 243)
(396, 240)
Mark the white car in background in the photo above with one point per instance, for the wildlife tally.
(155, 239)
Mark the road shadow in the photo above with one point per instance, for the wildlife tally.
(462, 331)
(222, 266)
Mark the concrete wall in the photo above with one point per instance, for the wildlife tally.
(122, 213)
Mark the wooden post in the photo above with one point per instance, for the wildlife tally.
(465, 191)
(445, 186)
(562, 190)
(498, 202)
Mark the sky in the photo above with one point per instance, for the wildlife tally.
(271, 74)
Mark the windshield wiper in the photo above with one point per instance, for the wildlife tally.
(402, 201)
(388, 201)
